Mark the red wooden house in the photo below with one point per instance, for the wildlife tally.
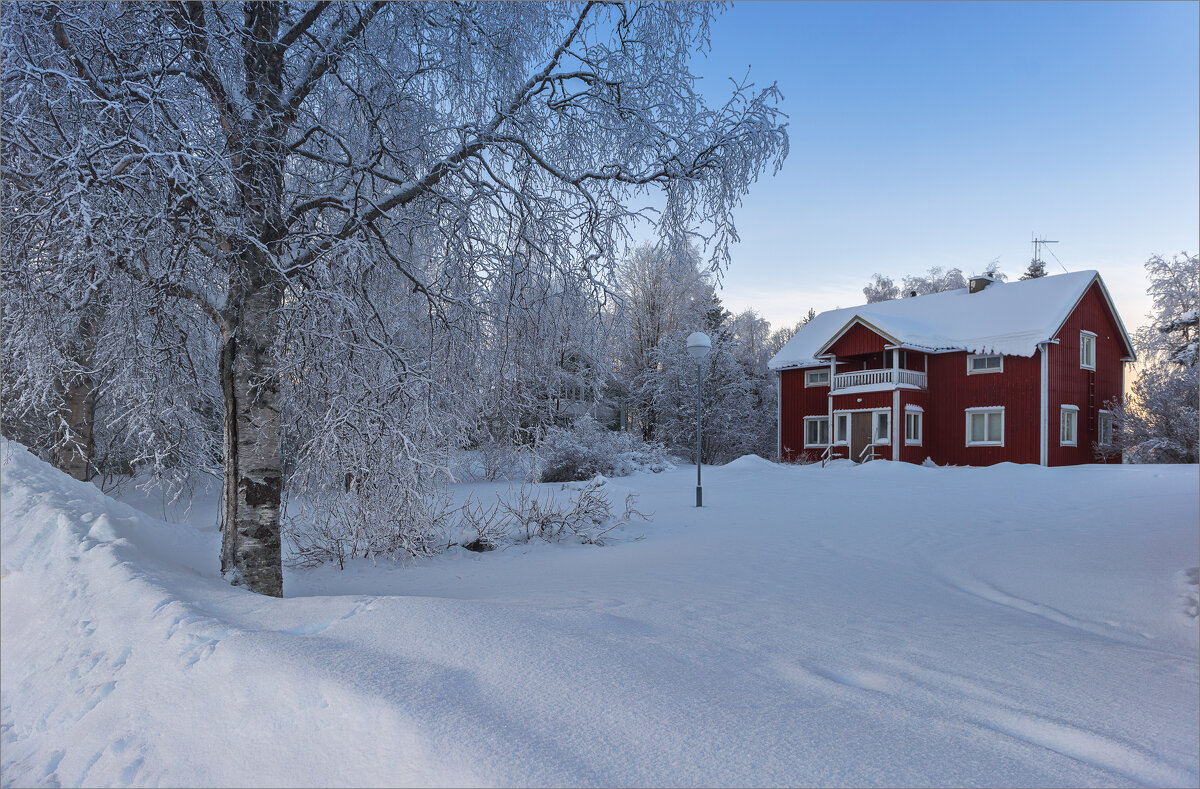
(998, 371)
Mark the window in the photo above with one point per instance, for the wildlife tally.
(887, 358)
(816, 378)
(1068, 422)
(985, 364)
(881, 427)
(985, 427)
(1106, 429)
(841, 433)
(912, 427)
(1087, 350)
(816, 431)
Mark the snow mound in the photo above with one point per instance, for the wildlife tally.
(750, 462)
(927, 628)
(127, 660)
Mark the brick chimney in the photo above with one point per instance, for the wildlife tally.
(976, 284)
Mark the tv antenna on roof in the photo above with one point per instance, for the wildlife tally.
(1039, 242)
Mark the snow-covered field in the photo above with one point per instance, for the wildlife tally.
(876, 625)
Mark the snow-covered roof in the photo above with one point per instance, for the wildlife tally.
(1009, 318)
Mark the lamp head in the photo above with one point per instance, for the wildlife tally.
(698, 345)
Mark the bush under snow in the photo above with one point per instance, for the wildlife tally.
(587, 448)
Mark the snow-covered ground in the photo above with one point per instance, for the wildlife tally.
(876, 625)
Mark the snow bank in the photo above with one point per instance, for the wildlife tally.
(750, 463)
(126, 660)
(878, 625)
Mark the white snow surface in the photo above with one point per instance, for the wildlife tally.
(1009, 318)
(887, 624)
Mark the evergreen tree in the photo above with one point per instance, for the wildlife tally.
(1037, 268)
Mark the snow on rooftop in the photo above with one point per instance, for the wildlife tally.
(1009, 318)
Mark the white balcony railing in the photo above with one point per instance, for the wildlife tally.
(874, 377)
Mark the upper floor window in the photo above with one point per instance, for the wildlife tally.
(816, 378)
(889, 358)
(1068, 426)
(993, 363)
(985, 427)
(1087, 350)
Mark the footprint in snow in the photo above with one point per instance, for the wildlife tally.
(1190, 580)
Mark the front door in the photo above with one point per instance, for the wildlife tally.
(860, 434)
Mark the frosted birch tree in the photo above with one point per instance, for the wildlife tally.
(1159, 422)
(268, 143)
(935, 280)
(660, 292)
(880, 288)
(97, 375)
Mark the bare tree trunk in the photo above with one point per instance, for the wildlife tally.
(75, 443)
(251, 550)
(250, 542)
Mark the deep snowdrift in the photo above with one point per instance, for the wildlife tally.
(885, 624)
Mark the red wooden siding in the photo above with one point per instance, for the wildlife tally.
(1073, 385)
(914, 360)
(852, 402)
(858, 340)
(952, 392)
(798, 402)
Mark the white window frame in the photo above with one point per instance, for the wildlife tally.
(1073, 410)
(876, 438)
(824, 419)
(808, 376)
(1085, 337)
(837, 417)
(919, 421)
(1104, 416)
(992, 410)
(971, 363)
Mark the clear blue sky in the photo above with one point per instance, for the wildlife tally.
(946, 133)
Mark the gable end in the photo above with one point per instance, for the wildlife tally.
(858, 326)
(1130, 354)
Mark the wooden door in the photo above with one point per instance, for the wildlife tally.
(860, 433)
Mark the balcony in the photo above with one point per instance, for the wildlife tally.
(881, 378)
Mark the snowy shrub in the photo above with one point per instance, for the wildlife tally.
(535, 513)
(369, 522)
(805, 458)
(495, 460)
(586, 449)
(529, 512)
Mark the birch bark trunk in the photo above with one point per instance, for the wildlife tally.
(75, 446)
(251, 552)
